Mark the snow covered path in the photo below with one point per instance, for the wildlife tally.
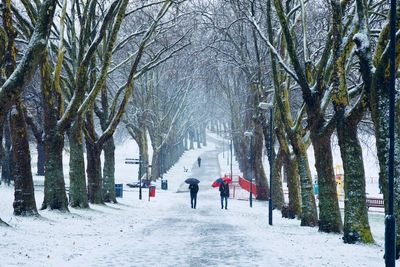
(167, 232)
(206, 236)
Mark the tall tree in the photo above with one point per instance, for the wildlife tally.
(293, 129)
(356, 226)
(24, 202)
(375, 75)
(320, 129)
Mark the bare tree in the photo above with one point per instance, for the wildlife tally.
(10, 93)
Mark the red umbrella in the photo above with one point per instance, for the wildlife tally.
(219, 181)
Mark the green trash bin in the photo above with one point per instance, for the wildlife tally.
(164, 184)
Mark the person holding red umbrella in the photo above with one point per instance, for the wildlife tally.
(224, 193)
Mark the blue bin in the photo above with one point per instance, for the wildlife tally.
(164, 184)
(118, 190)
(315, 189)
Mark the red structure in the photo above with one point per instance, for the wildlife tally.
(238, 185)
(245, 184)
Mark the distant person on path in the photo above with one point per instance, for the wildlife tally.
(199, 161)
(224, 192)
(194, 189)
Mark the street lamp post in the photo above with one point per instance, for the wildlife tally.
(390, 220)
(269, 106)
(140, 177)
(271, 164)
(231, 148)
(161, 162)
(231, 151)
(227, 152)
(250, 135)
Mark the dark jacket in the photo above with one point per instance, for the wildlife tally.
(224, 190)
(194, 188)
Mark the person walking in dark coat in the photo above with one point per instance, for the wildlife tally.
(224, 193)
(194, 189)
(199, 161)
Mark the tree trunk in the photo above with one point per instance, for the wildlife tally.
(241, 153)
(24, 195)
(191, 137)
(258, 168)
(329, 213)
(356, 226)
(379, 103)
(204, 134)
(41, 160)
(7, 164)
(186, 142)
(109, 171)
(291, 170)
(143, 151)
(77, 180)
(212, 126)
(169, 158)
(155, 162)
(198, 138)
(93, 171)
(309, 216)
(55, 196)
(277, 191)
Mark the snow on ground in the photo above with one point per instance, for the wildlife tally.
(165, 231)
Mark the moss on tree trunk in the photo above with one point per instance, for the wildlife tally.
(291, 172)
(277, 190)
(55, 196)
(258, 170)
(329, 213)
(7, 162)
(290, 167)
(309, 216)
(109, 171)
(78, 196)
(93, 171)
(24, 194)
(356, 225)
